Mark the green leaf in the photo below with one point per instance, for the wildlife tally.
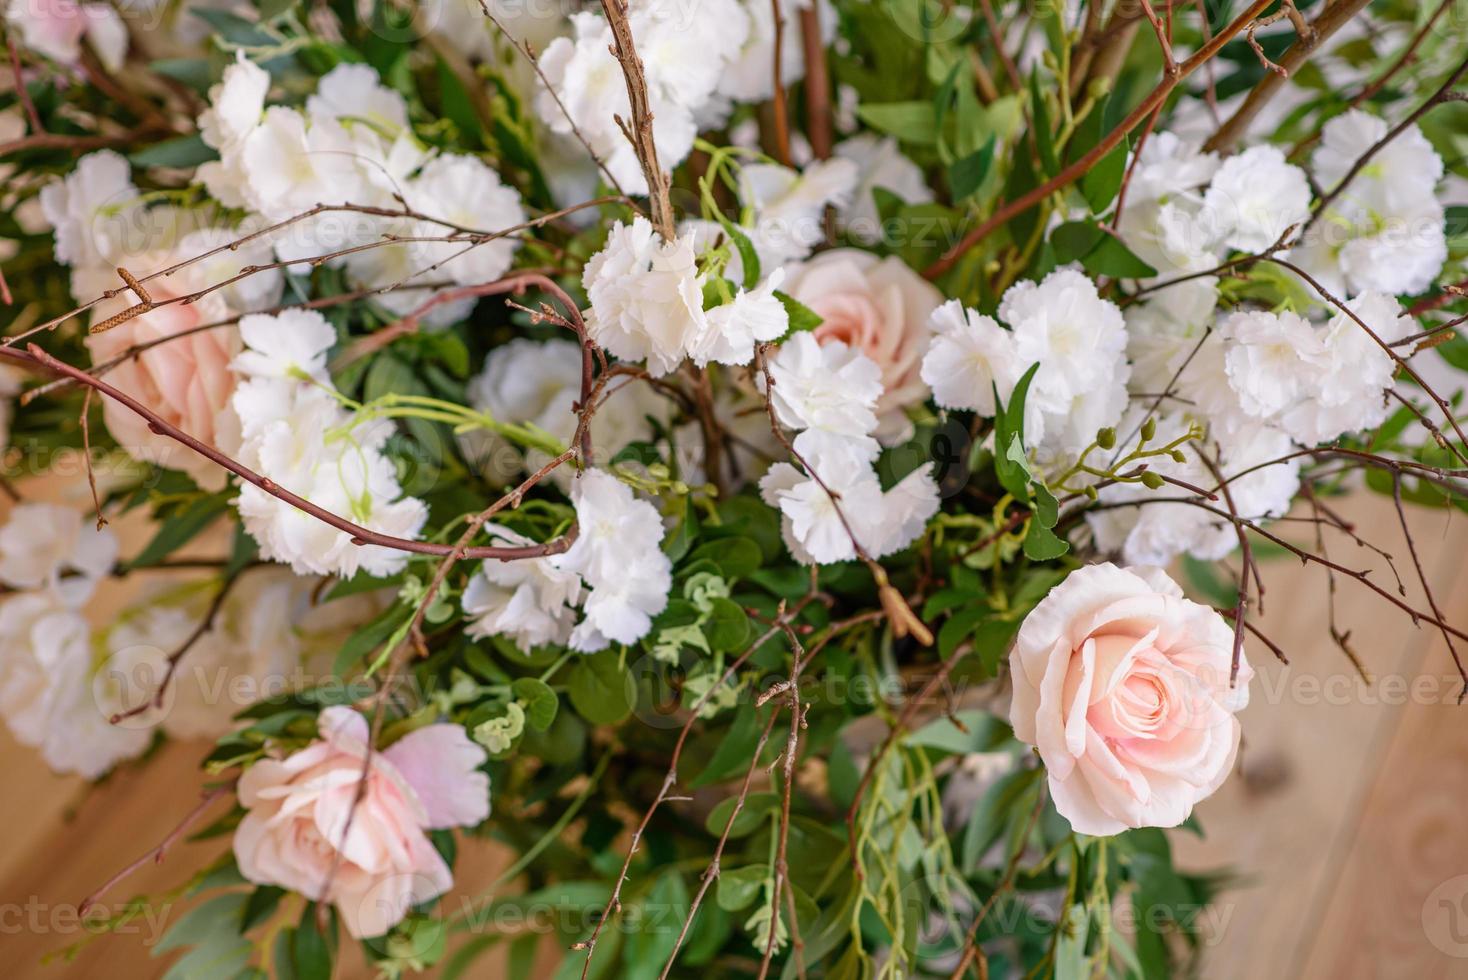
(180, 152)
(802, 317)
(757, 807)
(1009, 422)
(1101, 183)
(736, 557)
(180, 528)
(967, 173)
(310, 951)
(985, 733)
(911, 122)
(727, 628)
(602, 691)
(1112, 258)
(1074, 240)
(540, 702)
(649, 945)
(748, 257)
(1042, 544)
(741, 886)
(1040, 127)
(221, 914)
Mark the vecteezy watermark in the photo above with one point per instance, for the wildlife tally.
(36, 917)
(1445, 917)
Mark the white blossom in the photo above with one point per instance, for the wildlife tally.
(539, 383)
(970, 355)
(1168, 167)
(1255, 197)
(56, 549)
(464, 191)
(1397, 178)
(296, 434)
(50, 695)
(646, 297)
(1271, 359)
(751, 317)
(236, 103)
(830, 392)
(92, 210)
(57, 28)
(528, 600)
(617, 554)
(1349, 386)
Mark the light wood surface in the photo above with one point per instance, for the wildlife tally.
(1345, 819)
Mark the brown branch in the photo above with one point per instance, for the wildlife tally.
(204, 626)
(1423, 580)
(971, 941)
(1332, 18)
(157, 854)
(639, 132)
(781, 111)
(614, 903)
(819, 122)
(22, 92)
(524, 49)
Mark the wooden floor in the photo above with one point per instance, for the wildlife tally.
(1346, 820)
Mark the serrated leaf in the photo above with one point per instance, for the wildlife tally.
(1042, 544)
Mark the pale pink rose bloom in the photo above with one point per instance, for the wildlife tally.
(1123, 686)
(880, 307)
(296, 827)
(186, 381)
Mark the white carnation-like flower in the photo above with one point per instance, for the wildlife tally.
(56, 549)
(734, 328)
(970, 356)
(295, 433)
(1256, 196)
(830, 392)
(617, 554)
(531, 601)
(646, 297)
(1271, 359)
(92, 211)
(464, 191)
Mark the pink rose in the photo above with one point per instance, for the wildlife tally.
(186, 381)
(1123, 686)
(298, 807)
(881, 308)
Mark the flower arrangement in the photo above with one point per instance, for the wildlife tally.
(723, 452)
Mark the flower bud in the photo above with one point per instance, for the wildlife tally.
(1152, 481)
(1106, 438)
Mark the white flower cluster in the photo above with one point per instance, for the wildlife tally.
(828, 393)
(1262, 383)
(647, 304)
(51, 694)
(1384, 232)
(295, 432)
(352, 145)
(615, 574)
(1078, 340)
(697, 58)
